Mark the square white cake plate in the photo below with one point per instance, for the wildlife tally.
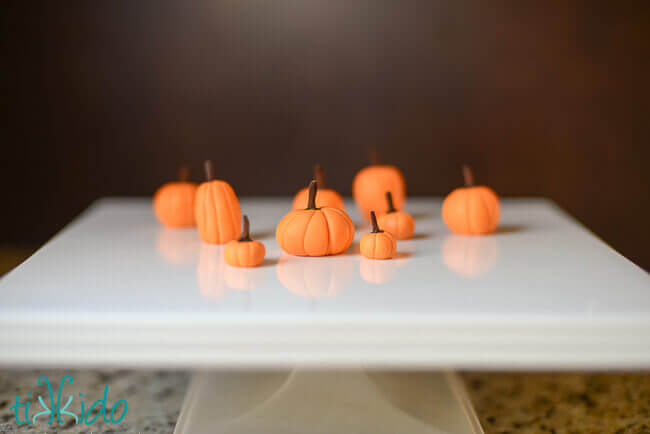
(114, 288)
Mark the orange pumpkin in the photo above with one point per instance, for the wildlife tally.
(315, 231)
(217, 211)
(245, 252)
(173, 202)
(371, 184)
(377, 244)
(471, 210)
(399, 223)
(326, 196)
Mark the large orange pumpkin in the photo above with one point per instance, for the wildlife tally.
(245, 252)
(371, 184)
(398, 223)
(217, 210)
(173, 202)
(471, 210)
(377, 244)
(315, 231)
(326, 196)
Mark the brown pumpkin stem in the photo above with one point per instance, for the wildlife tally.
(319, 175)
(468, 175)
(209, 170)
(313, 189)
(183, 174)
(372, 156)
(375, 226)
(389, 199)
(245, 230)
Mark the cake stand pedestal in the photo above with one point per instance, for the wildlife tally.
(323, 402)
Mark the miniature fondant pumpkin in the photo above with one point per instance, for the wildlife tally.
(471, 210)
(244, 252)
(315, 231)
(398, 223)
(217, 211)
(371, 184)
(325, 196)
(173, 202)
(377, 244)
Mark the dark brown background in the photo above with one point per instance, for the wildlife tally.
(542, 98)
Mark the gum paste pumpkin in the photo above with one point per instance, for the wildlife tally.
(173, 202)
(325, 197)
(244, 252)
(471, 210)
(370, 185)
(377, 244)
(315, 231)
(398, 223)
(217, 210)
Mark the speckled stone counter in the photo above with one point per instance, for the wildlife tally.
(505, 403)
(561, 403)
(154, 399)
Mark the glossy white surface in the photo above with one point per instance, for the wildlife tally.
(116, 288)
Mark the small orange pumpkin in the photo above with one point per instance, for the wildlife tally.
(377, 244)
(173, 202)
(471, 210)
(217, 211)
(326, 196)
(398, 223)
(245, 252)
(315, 231)
(371, 184)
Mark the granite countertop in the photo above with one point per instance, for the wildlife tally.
(505, 402)
(154, 399)
(561, 403)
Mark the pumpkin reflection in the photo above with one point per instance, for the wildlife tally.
(314, 277)
(243, 279)
(177, 246)
(469, 256)
(210, 273)
(377, 271)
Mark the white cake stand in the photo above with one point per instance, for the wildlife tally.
(327, 344)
